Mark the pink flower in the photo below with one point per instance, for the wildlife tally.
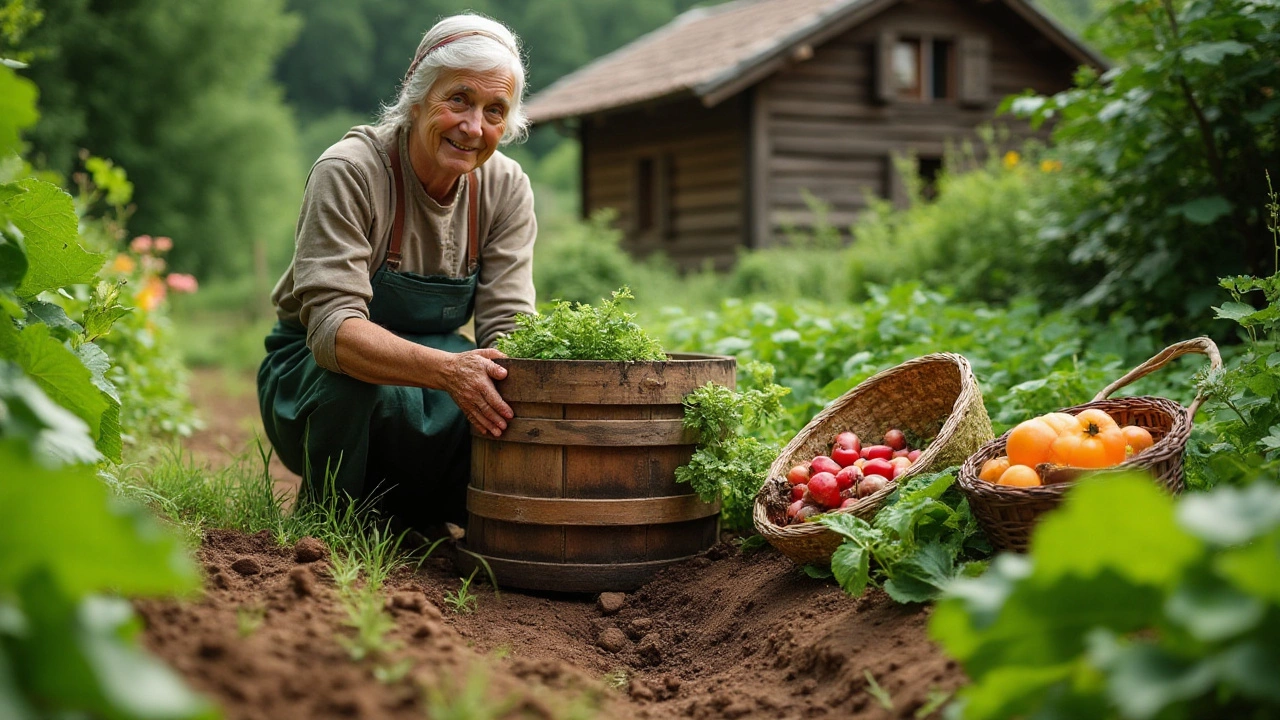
(163, 244)
(141, 244)
(182, 283)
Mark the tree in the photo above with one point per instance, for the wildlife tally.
(180, 94)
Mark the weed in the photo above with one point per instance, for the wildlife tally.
(463, 601)
(503, 651)
(617, 678)
(249, 618)
(880, 694)
(937, 698)
(470, 702)
(365, 615)
(393, 673)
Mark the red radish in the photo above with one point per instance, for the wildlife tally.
(797, 491)
(807, 512)
(844, 456)
(798, 475)
(860, 463)
(901, 463)
(849, 503)
(871, 484)
(914, 455)
(822, 464)
(895, 439)
(847, 477)
(794, 509)
(900, 453)
(824, 489)
(848, 441)
(871, 452)
(880, 467)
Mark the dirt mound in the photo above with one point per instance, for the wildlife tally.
(722, 636)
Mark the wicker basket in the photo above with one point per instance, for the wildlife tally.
(1008, 514)
(935, 396)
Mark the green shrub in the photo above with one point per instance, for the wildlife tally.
(977, 237)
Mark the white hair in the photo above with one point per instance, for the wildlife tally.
(494, 47)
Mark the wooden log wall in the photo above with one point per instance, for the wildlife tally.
(698, 153)
(819, 127)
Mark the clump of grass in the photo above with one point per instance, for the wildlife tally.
(249, 618)
(463, 601)
(617, 678)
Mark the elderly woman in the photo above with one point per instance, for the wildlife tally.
(407, 229)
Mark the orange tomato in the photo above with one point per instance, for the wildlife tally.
(1097, 417)
(1092, 444)
(1060, 421)
(994, 468)
(1030, 441)
(1020, 476)
(1137, 438)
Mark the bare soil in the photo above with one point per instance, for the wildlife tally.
(725, 635)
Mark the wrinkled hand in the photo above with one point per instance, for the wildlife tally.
(470, 383)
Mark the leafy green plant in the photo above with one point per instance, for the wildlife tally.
(922, 539)
(576, 331)
(1161, 158)
(730, 464)
(1242, 437)
(1130, 605)
(65, 648)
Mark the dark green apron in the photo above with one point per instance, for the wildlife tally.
(409, 447)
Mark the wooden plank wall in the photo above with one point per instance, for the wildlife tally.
(706, 152)
(828, 135)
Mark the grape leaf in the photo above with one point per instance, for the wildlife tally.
(50, 230)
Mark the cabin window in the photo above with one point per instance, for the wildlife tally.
(929, 168)
(924, 69)
(941, 63)
(906, 67)
(645, 195)
(653, 195)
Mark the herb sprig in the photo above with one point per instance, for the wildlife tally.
(577, 331)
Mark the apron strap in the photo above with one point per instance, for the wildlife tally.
(473, 222)
(397, 226)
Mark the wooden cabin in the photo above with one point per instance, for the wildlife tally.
(706, 134)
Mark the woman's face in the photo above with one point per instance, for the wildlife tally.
(457, 125)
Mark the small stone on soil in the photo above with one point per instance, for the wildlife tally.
(611, 602)
(220, 580)
(302, 581)
(650, 649)
(247, 566)
(308, 550)
(639, 628)
(612, 640)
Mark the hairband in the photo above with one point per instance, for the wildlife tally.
(456, 36)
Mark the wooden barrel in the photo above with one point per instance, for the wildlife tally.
(579, 494)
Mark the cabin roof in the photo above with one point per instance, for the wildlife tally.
(715, 52)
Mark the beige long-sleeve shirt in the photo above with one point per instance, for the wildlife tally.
(344, 230)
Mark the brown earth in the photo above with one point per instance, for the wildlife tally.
(721, 636)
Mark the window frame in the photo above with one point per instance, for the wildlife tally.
(925, 47)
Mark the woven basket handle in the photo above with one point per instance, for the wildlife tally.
(1202, 345)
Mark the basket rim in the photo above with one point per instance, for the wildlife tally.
(967, 477)
(760, 513)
